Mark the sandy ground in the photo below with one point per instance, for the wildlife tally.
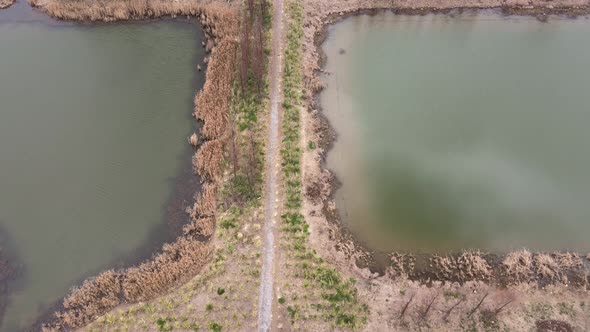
(395, 301)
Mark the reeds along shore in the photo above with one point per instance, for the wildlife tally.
(516, 267)
(177, 261)
(119, 10)
(6, 3)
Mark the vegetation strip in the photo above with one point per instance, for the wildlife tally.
(316, 291)
(6, 3)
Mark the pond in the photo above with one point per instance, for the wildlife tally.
(461, 131)
(94, 162)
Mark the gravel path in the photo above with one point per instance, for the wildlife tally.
(272, 170)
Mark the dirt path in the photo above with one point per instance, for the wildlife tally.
(272, 169)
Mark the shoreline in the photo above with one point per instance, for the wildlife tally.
(432, 267)
(529, 275)
(174, 262)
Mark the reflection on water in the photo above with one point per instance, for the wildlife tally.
(93, 127)
(461, 132)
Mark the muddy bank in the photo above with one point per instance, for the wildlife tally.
(320, 184)
(178, 260)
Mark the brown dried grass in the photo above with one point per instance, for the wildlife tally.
(469, 265)
(546, 268)
(208, 160)
(93, 297)
(517, 267)
(201, 226)
(473, 266)
(213, 101)
(543, 268)
(205, 202)
(176, 261)
(6, 3)
(118, 10)
(402, 265)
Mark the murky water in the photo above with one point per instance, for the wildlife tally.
(466, 131)
(93, 128)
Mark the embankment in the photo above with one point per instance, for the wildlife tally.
(181, 259)
(526, 274)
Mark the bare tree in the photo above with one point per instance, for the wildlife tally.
(448, 312)
(259, 63)
(478, 305)
(245, 51)
(425, 313)
(403, 312)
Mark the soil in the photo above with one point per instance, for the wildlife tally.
(389, 280)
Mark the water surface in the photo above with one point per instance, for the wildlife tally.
(461, 132)
(93, 127)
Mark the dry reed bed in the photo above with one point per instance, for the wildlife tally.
(521, 266)
(179, 260)
(6, 3)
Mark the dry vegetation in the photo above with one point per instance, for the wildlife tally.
(311, 294)
(119, 10)
(6, 3)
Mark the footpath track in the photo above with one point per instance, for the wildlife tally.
(271, 213)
